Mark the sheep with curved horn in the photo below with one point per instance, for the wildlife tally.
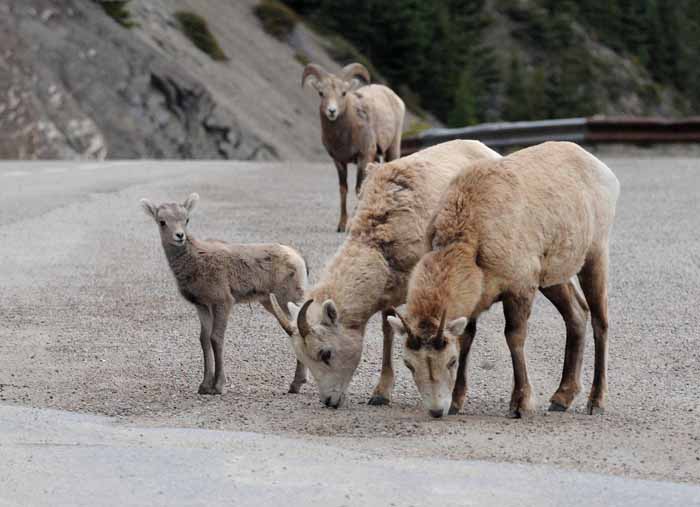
(360, 122)
(369, 273)
(503, 230)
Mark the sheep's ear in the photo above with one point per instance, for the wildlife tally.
(149, 208)
(329, 312)
(457, 326)
(191, 202)
(397, 325)
(293, 311)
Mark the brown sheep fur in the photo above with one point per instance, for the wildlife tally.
(214, 275)
(357, 125)
(370, 271)
(503, 230)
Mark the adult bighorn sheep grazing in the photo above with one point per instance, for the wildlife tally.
(213, 276)
(503, 230)
(357, 126)
(369, 273)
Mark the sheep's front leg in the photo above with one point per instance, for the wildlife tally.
(343, 186)
(299, 378)
(382, 393)
(220, 314)
(206, 320)
(517, 311)
(459, 392)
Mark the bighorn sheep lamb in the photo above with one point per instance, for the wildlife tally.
(213, 276)
(369, 273)
(357, 126)
(503, 230)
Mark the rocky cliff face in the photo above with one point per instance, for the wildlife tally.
(76, 84)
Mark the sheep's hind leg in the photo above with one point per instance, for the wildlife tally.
(382, 393)
(394, 151)
(206, 321)
(220, 313)
(517, 311)
(459, 393)
(361, 168)
(594, 283)
(573, 309)
(343, 186)
(300, 373)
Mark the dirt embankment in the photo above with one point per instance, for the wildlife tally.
(76, 84)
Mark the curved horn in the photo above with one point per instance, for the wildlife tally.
(403, 322)
(355, 71)
(441, 328)
(281, 316)
(312, 70)
(302, 323)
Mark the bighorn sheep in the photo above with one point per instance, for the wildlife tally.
(356, 126)
(503, 230)
(213, 276)
(369, 273)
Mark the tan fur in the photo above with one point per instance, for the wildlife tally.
(505, 229)
(366, 123)
(214, 275)
(369, 273)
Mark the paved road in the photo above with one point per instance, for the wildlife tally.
(92, 323)
(61, 458)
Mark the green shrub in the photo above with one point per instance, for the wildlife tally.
(116, 9)
(196, 29)
(277, 19)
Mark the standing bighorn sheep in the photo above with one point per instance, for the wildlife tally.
(503, 230)
(369, 273)
(357, 126)
(213, 276)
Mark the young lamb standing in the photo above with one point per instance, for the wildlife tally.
(357, 126)
(503, 230)
(369, 273)
(213, 276)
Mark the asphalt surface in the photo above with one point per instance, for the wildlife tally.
(90, 321)
(105, 463)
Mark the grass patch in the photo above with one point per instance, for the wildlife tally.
(302, 58)
(196, 29)
(277, 19)
(416, 128)
(116, 9)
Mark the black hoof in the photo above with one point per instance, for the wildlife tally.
(208, 390)
(453, 411)
(556, 407)
(594, 409)
(378, 400)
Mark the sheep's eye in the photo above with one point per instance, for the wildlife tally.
(162, 223)
(187, 222)
(452, 363)
(325, 356)
(320, 94)
(344, 94)
(409, 366)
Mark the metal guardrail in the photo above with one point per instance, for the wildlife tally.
(595, 130)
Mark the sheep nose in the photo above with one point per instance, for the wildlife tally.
(179, 235)
(437, 414)
(332, 110)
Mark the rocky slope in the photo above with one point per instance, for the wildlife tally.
(76, 84)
